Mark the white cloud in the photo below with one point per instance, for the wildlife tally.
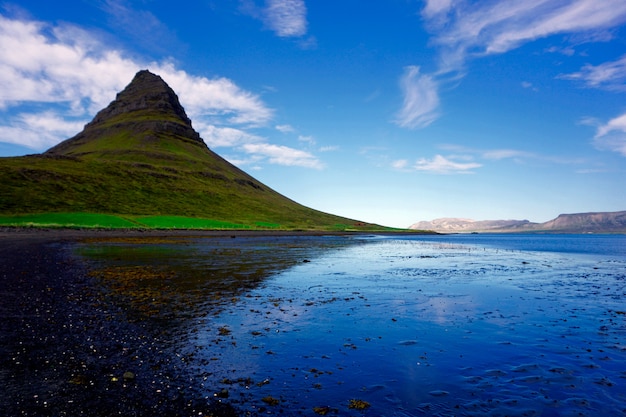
(400, 164)
(609, 75)
(65, 66)
(283, 155)
(421, 99)
(330, 148)
(491, 27)
(39, 130)
(612, 135)
(216, 137)
(307, 139)
(442, 165)
(567, 51)
(617, 123)
(286, 17)
(285, 128)
(465, 160)
(436, 8)
(463, 29)
(37, 67)
(498, 154)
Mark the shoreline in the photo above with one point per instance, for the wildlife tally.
(69, 234)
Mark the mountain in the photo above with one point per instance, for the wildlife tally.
(602, 222)
(141, 156)
(607, 222)
(455, 225)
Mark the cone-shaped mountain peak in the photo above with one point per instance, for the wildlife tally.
(147, 92)
(144, 112)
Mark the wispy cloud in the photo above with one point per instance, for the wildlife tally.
(285, 128)
(498, 154)
(442, 165)
(308, 139)
(611, 136)
(516, 155)
(567, 50)
(217, 137)
(400, 164)
(463, 29)
(286, 18)
(437, 165)
(70, 69)
(421, 99)
(465, 160)
(283, 155)
(435, 8)
(609, 75)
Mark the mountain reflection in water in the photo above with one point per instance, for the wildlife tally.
(392, 326)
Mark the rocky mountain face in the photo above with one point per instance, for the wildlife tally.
(147, 107)
(602, 222)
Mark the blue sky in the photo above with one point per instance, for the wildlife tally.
(390, 112)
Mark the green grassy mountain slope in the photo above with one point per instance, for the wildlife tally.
(140, 156)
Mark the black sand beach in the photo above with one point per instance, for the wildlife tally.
(67, 350)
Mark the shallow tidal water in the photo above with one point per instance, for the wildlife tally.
(466, 325)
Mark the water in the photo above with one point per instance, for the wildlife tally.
(403, 326)
(600, 244)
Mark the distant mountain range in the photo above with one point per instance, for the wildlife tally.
(601, 222)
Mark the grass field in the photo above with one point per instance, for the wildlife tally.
(69, 220)
(108, 221)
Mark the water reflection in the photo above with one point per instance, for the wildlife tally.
(406, 327)
(196, 275)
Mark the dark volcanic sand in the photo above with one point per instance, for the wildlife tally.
(66, 349)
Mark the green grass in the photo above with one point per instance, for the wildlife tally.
(109, 221)
(179, 222)
(68, 220)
